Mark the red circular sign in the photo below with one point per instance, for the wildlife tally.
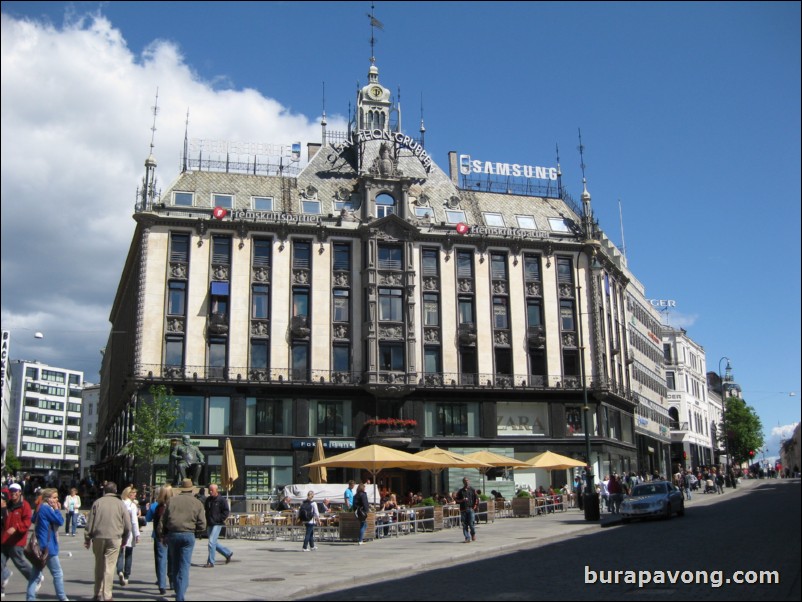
(219, 213)
(463, 228)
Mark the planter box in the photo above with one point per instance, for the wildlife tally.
(349, 526)
(486, 512)
(523, 506)
(433, 515)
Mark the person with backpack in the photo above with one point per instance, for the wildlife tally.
(308, 515)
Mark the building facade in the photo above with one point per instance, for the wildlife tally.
(91, 401)
(476, 306)
(45, 421)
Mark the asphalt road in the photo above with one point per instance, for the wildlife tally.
(757, 532)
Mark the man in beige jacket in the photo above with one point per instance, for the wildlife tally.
(108, 526)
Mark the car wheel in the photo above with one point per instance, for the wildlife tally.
(681, 511)
(667, 512)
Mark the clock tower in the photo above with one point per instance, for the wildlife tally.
(373, 103)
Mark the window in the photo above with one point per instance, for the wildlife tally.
(221, 250)
(217, 357)
(385, 205)
(455, 217)
(391, 357)
(262, 203)
(494, 219)
(498, 266)
(537, 366)
(390, 258)
(573, 420)
(429, 263)
(342, 305)
(179, 247)
(667, 352)
(431, 360)
(390, 305)
(466, 310)
(176, 298)
(452, 420)
(431, 309)
(424, 212)
(32, 373)
(565, 273)
(526, 221)
(310, 206)
(341, 358)
(670, 383)
(183, 199)
(300, 255)
(567, 316)
(342, 257)
(300, 302)
(260, 354)
(53, 376)
(223, 200)
(558, 224)
(348, 205)
(503, 357)
(259, 302)
(300, 361)
(534, 314)
(265, 416)
(570, 362)
(261, 253)
(219, 415)
(330, 418)
(174, 351)
(190, 415)
(257, 482)
(532, 268)
(464, 264)
(468, 366)
(500, 317)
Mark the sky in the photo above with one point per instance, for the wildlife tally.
(689, 116)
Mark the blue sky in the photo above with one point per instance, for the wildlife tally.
(690, 116)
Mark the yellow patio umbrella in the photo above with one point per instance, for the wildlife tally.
(551, 461)
(494, 460)
(374, 459)
(450, 460)
(228, 471)
(318, 474)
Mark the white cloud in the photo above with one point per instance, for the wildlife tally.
(783, 432)
(75, 127)
(680, 320)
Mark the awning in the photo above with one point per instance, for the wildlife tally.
(220, 288)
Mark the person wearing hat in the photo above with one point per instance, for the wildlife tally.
(184, 516)
(16, 522)
(468, 504)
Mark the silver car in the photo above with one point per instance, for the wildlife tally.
(656, 498)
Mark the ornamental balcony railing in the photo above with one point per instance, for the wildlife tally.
(433, 380)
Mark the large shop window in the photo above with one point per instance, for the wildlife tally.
(330, 418)
(452, 420)
(190, 415)
(264, 474)
(219, 415)
(267, 416)
(522, 419)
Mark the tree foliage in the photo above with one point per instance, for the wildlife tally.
(13, 463)
(744, 431)
(153, 418)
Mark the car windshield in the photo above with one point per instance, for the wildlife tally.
(649, 489)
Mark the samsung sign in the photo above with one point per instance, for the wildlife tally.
(468, 166)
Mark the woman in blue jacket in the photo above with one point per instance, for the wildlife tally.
(48, 521)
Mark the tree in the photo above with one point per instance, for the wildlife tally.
(744, 430)
(154, 417)
(13, 463)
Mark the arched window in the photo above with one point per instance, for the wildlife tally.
(385, 205)
(673, 413)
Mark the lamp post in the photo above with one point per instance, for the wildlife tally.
(728, 374)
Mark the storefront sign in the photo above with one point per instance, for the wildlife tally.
(663, 302)
(248, 215)
(516, 419)
(468, 166)
(328, 444)
(509, 232)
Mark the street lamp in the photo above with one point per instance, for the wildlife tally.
(728, 375)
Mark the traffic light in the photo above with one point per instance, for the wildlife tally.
(751, 453)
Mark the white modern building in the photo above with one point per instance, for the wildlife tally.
(45, 418)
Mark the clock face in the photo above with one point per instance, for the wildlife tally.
(376, 92)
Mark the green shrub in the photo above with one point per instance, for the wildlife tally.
(523, 493)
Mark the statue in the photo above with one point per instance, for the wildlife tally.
(188, 461)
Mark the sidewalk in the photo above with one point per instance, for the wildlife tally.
(280, 570)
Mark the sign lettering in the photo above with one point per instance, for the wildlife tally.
(468, 166)
(273, 216)
(398, 138)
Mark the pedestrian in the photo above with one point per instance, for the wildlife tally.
(71, 504)
(108, 526)
(362, 508)
(348, 497)
(16, 522)
(125, 559)
(217, 510)
(47, 524)
(309, 515)
(154, 515)
(686, 484)
(183, 517)
(468, 503)
(615, 492)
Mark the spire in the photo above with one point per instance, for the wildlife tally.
(374, 23)
(148, 192)
(186, 141)
(587, 213)
(422, 127)
(323, 120)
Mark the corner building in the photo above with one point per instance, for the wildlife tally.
(285, 307)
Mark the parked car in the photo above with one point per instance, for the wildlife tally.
(655, 498)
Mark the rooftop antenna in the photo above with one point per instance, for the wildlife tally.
(323, 120)
(148, 193)
(621, 222)
(559, 172)
(587, 218)
(186, 140)
(422, 127)
(155, 109)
